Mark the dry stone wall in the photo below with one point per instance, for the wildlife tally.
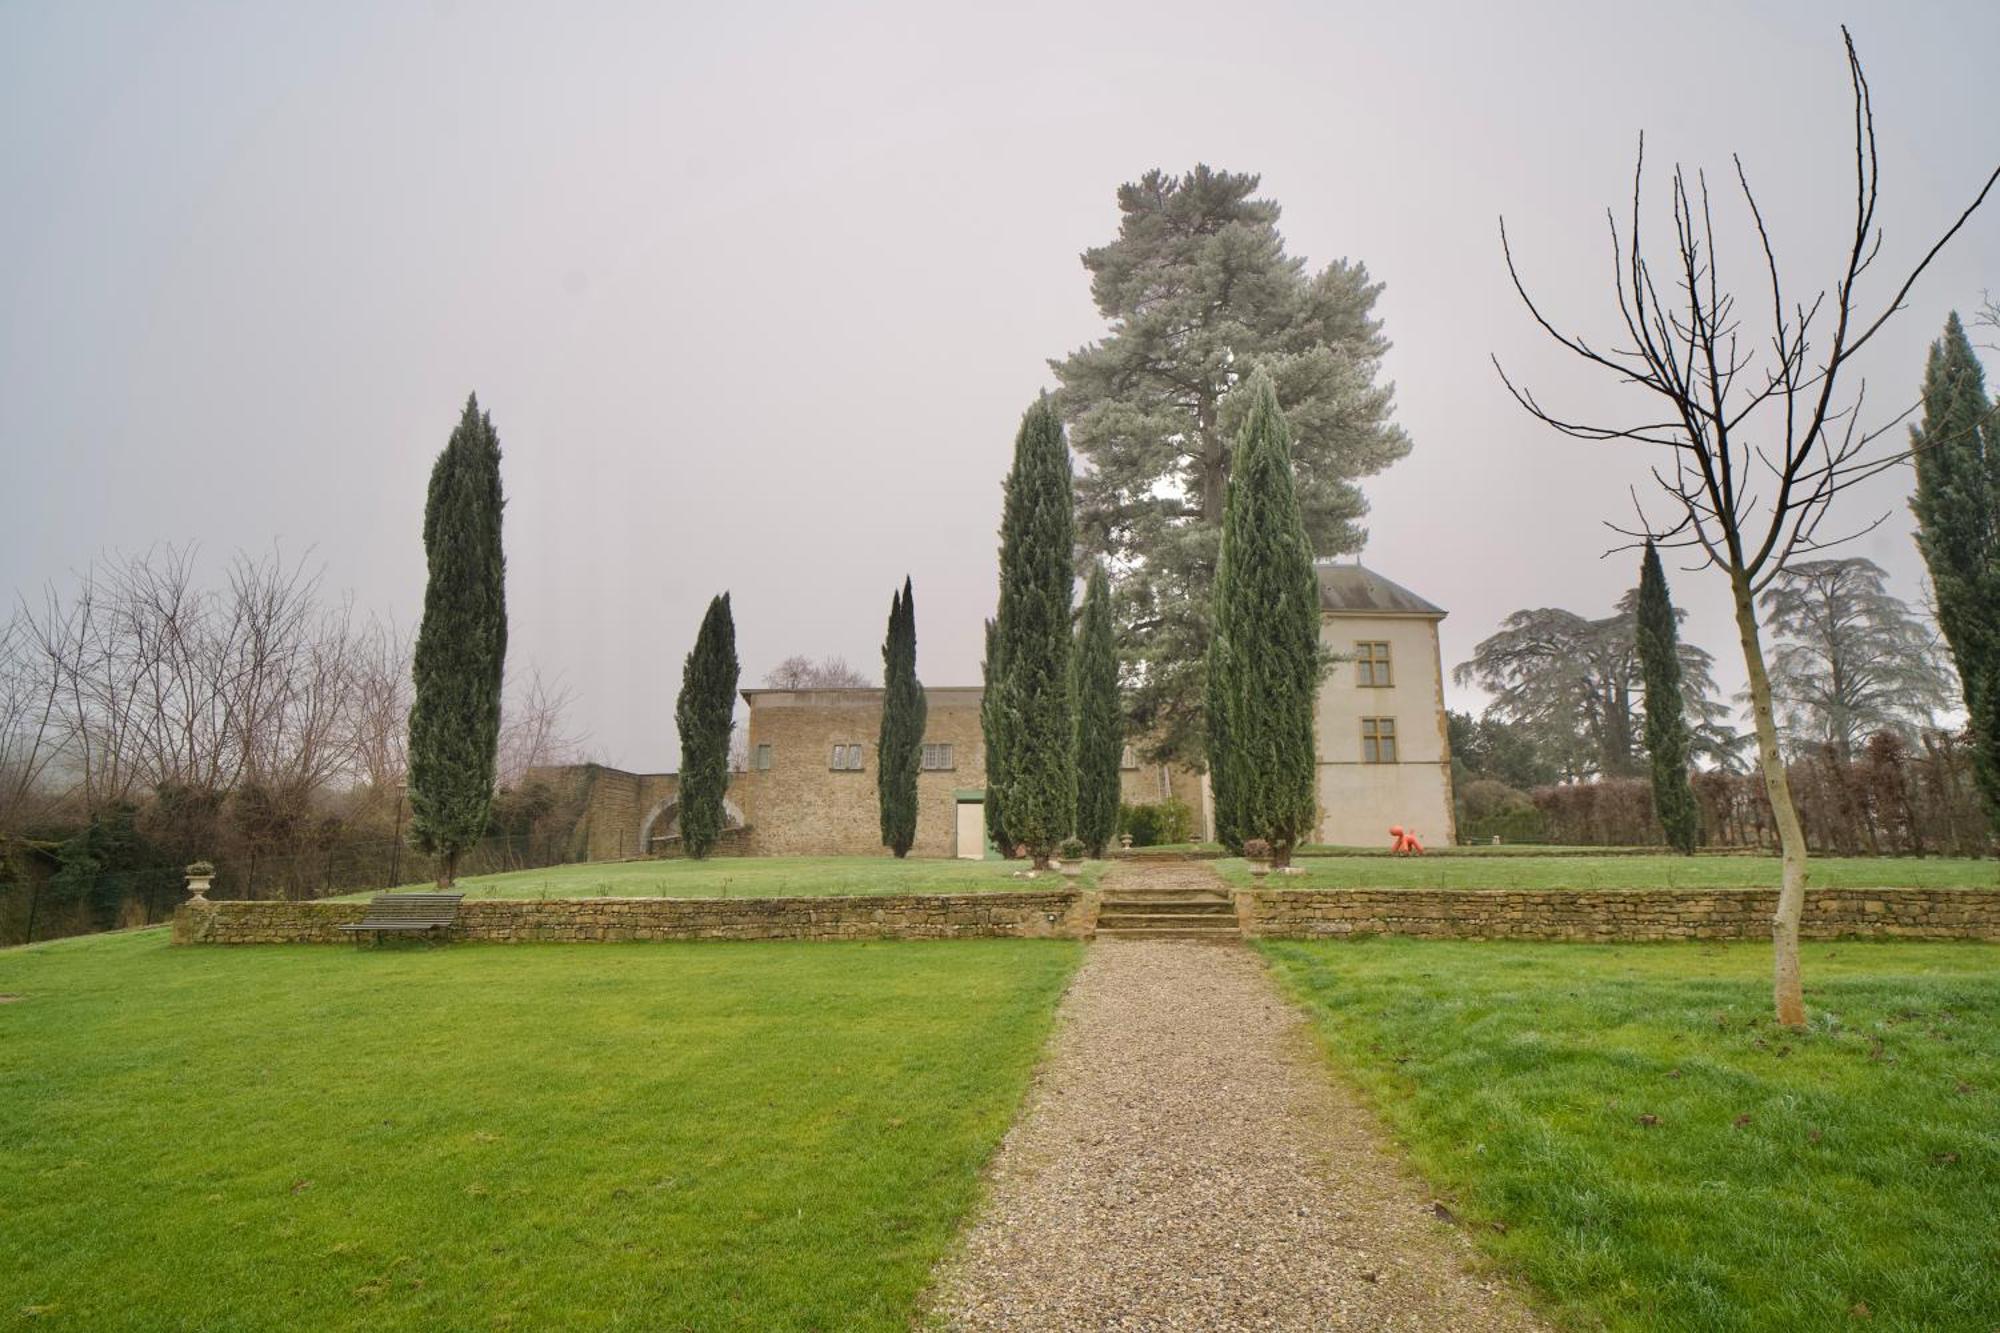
(1614, 915)
(1046, 914)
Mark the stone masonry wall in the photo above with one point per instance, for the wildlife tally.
(1045, 914)
(801, 806)
(1614, 915)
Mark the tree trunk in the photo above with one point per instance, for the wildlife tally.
(1786, 991)
(447, 868)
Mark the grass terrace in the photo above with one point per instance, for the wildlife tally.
(1664, 871)
(749, 1136)
(763, 877)
(1623, 1126)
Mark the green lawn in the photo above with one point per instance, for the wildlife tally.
(755, 1136)
(1785, 1181)
(763, 877)
(1617, 872)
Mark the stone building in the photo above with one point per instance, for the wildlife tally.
(807, 783)
(1382, 739)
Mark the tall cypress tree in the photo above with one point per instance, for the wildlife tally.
(899, 751)
(1270, 624)
(461, 650)
(1216, 693)
(1037, 588)
(993, 730)
(1100, 729)
(705, 714)
(1667, 740)
(1957, 506)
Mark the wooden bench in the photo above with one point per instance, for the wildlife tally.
(406, 914)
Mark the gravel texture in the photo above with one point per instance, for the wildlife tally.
(1186, 1162)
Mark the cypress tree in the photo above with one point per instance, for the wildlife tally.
(705, 714)
(1215, 716)
(992, 728)
(1037, 588)
(1100, 731)
(461, 649)
(1957, 505)
(1667, 740)
(900, 749)
(1270, 624)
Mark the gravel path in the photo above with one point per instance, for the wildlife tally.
(1186, 1163)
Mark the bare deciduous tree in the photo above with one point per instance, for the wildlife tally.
(799, 672)
(1758, 445)
(533, 729)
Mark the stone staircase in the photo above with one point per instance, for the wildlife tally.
(1176, 901)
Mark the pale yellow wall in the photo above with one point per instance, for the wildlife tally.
(1358, 802)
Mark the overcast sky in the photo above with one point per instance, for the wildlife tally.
(756, 294)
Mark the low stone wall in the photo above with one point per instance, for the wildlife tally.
(1050, 913)
(1614, 915)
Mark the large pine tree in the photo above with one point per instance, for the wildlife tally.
(1269, 622)
(899, 751)
(1667, 739)
(461, 651)
(1197, 290)
(705, 714)
(1100, 729)
(993, 731)
(1037, 589)
(1957, 505)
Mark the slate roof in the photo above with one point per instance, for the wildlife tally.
(1355, 590)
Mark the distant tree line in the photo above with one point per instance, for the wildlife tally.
(1892, 798)
(147, 721)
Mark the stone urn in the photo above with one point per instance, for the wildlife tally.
(1258, 853)
(1070, 859)
(1125, 842)
(199, 876)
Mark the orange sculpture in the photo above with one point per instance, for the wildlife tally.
(1404, 844)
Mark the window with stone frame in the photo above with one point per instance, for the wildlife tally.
(1371, 664)
(1129, 760)
(938, 756)
(1378, 740)
(846, 759)
(760, 758)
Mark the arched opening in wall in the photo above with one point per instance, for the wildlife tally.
(661, 830)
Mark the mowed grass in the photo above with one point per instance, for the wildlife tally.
(1847, 1177)
(763, 877)
(1618, 872)
(751, 1136)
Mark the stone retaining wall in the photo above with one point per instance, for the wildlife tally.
(1049, 913)
(1614, 914)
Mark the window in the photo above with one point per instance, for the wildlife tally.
(846, 759)
(1129, 760)
(1371, 664)
(761, 758)
(938, 755)
(1378, 740)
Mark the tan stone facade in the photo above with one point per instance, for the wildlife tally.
(797, 802)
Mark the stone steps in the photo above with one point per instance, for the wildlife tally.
(1200, 912)
(1169, 907)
